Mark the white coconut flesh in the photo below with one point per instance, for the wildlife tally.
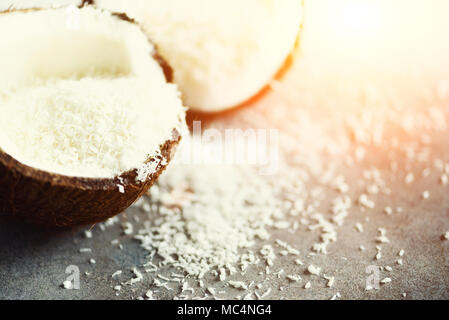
(81, 94)
(223, 52)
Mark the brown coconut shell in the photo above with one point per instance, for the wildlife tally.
(45, 198)
(54, 200)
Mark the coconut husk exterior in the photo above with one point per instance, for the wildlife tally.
(40, 197)
(35, 196)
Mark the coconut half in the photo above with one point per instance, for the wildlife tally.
(222, 52)
(88, 116)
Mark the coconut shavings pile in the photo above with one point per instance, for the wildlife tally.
(207, 215)
(353, 189)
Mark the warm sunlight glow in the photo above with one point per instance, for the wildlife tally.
(361, 17)
(377, 34)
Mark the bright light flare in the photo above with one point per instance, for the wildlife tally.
(378, 34)
(361, 17)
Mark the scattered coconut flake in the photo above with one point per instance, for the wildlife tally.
(289, 248)
(446, 236)
(117, 273)
(330, 281)
(211, 291)
(388, 210)
(149, 295)
(409, 178)
(359, 227)
(294, 278)
(128, 228)
(238, 285)
(222, 274)
(379, 253)
(314, 270)
(444, 179)
(382, 238)
(365, 202)
(299, 262)
(336, 296)
(67, 284)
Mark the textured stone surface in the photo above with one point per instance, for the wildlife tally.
(33, 261)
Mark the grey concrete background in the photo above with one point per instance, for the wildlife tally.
(33, 260)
